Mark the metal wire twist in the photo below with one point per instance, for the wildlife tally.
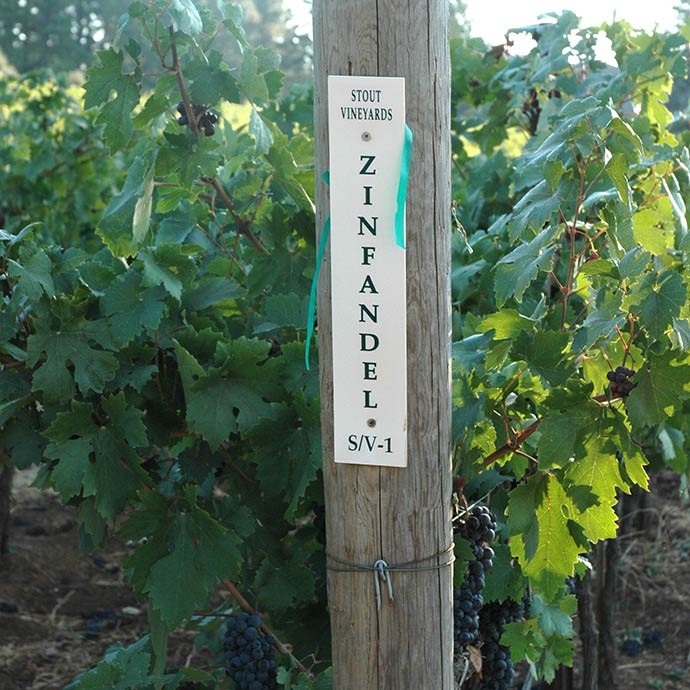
(382, 570)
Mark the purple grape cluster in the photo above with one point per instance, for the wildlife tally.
(479, 530)
(249, 654)
(619, 381)
(497, 666)
(205, 118)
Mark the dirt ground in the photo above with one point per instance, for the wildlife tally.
(60, 610)
(655, 595)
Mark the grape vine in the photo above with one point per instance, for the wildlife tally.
(156, 252)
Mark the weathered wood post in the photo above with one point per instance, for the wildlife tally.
(400, 515)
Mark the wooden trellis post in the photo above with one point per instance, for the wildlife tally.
(395, 514)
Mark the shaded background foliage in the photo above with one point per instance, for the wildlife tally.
(64, 35)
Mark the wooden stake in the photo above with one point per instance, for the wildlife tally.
(372, 513)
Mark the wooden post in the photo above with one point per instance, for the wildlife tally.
(394, 514)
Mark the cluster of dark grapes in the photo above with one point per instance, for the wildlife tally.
(479, 530)
(497, 667)
(620, 383)
(205, 118)
(650, 639)
(249, 654)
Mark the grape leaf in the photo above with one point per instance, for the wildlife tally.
(601, 322)
(263, 138)
(659, 392)
(125, 220)
(232, 20)
(35, 275)
(652, 231)
(672, 443)
(555, 618)
(109, 479)
(504, 580)
(559, 436)
(516, 271)
(188, 156)
(23, 441)
(67, 475)
(548, 556)
(597, 518)
(284, 310)
(186, 17)
(506, 324)
(288, 454)
(524, 640)
(544, 352)
(285, 583)
(661, 299)
(209, 292)
(122, 668)
(132, 308)
(200, 553)
(533, 210)
(168, 265)
(252, 82)
(142, 209)
(103, 79)
(210, 81)
(99, 459)
(617, 169)
(227, 397)
(63, 350)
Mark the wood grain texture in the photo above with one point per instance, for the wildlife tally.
(399, 515)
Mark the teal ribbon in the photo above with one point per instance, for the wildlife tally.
(402, 189)
(399, 230)
(314, 284)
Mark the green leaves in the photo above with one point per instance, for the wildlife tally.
(186, 17)
(261, 132)
(189, 552)
(34, 274)
(201, 553)
(103, 80)
(125, 223)
(211, 81)
(132, 307)
(660, 390)
(539, 513)
(544, 351)
(122, 668)
(66, 352)
(227, 397)
(544, 640)
(516, 271)
(98, 460)
(168, 265)
(661, 297)
(130, 318)
(290, 455)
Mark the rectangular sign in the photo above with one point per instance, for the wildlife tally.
(366, 117)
